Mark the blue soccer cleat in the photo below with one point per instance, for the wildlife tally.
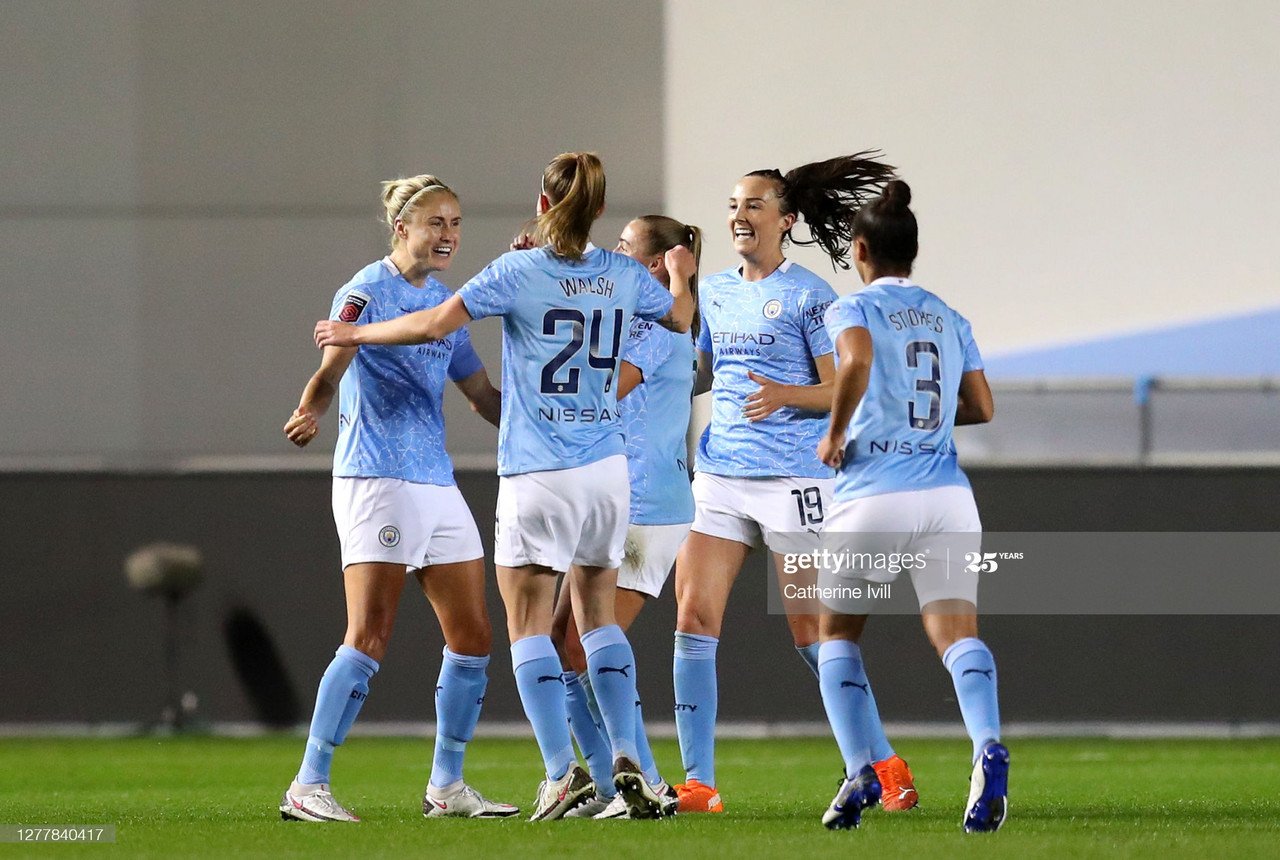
(855, 795)
(988, 805)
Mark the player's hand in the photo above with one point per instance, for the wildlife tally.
(680, 263)
(831, 450)
(524, 242)
(301, 427)
(771, 397)
(334, 333)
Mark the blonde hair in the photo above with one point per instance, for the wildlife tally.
(574, 186)
(664, 233)
(402, 197)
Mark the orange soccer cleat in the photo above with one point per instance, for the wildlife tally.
(697, 797)
(898, 787)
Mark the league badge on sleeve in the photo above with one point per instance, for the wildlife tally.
(352, 307)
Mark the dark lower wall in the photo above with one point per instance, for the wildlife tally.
(80, 646)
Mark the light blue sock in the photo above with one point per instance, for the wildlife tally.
(592, 705)
(594, 747)
(459, 695)
(696, 702)
(343, 689)
(809, 654)
(845, 694)
(880, 747)
(613, 679)
(648, 766)
(537, 669)
(973, 671)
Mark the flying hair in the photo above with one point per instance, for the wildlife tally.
(827, 195)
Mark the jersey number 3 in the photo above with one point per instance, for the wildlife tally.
(552, 383)
(931, 387)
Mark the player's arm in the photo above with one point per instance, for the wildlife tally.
(854, 346)
(317, 396)
(975, 404)
(629, 376)
(681, 266)
(418, 327)
(702, 382)
(485, 400)
(772, 395)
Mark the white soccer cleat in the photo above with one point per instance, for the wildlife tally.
(556, 797)
(615, 808)
(861, 792)
(312, 803)
(596, 805)
(463, 801)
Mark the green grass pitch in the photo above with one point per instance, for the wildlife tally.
(197, 796)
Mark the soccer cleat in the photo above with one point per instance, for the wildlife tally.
(595, 805)
(988, 805)
(855, 795)
(695, 796)
(464, 802)
(668, 800)
(897, 786)
(642, 801)
(312, 803)
(558, 796)
(616, 808)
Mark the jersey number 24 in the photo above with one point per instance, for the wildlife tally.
(552, 381)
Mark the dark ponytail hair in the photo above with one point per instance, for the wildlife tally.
(827, 194)
(889, 228)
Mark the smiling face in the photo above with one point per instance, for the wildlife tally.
(637, 244)
(431, 234)
(756, 221)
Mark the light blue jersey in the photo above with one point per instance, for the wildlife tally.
(563, 325)
(390, 423)
(655, 419)
(773, 328)
(900, 436)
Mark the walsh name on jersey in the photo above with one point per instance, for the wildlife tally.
(600, 286)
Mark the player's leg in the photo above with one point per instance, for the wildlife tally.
(845, 690)
(948, 595)
(585, 722)
(456, 593)
(706, 569)
(373, 596)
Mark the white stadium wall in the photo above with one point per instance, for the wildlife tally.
(1079, 169)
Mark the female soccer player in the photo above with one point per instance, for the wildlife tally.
(396, 505)
(909, 371)
(655, 391)
(763, 343)
(563, 494)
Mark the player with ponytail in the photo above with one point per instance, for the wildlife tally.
(909, 372)
(764, 352)
(563, 493)
(396, 504)
(655, 391)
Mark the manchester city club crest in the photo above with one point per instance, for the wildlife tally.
(772, 309)
(389, 536)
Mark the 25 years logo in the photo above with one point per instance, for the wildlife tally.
(988, 562)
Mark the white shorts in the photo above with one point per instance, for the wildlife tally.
(400, 522)
(650, 553)
(566, 517)
(787, 513)
(935, 527)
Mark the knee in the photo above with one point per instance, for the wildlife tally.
(693, 618)
(473, 639)
(368, 641)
